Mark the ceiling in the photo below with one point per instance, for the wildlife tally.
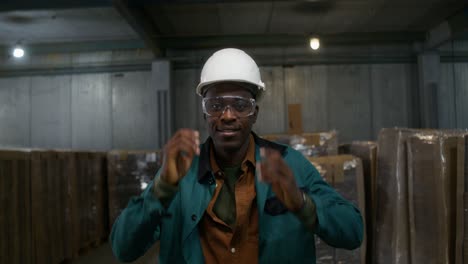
(63, 25)
(192, 24)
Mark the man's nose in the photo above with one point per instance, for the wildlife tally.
(228, 114)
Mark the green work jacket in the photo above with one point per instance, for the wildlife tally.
(282, 237)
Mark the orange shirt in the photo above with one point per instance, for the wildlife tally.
(222, 243)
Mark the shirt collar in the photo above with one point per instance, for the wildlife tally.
(205, 166)
(248, 160)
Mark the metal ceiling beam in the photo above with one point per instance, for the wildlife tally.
(453, 28)
(139, 20)
(66, 70)
(68, 4)
(158, 2)
(288, 40)
(18, 5)
(77, 46)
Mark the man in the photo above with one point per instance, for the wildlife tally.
(236, 198)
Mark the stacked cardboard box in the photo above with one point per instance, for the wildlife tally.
(419, 198)
(129, 174)
(429, 198)
(345, 174)
(367, 152)
(15, 216)
(309, 144)
(54, 203)
(66, 161)
(69, 208)
(464, 216)
(52, 209)
(391, 226)
(91, 198)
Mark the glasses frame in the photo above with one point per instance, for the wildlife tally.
(252, 101)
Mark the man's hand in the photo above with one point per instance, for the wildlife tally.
(178, 155)
(276, 172)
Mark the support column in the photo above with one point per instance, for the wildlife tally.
(161, 81)
(429, 85)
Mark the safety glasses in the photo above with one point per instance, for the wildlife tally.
(239, 106)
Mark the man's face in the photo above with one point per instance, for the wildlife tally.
(229, 131)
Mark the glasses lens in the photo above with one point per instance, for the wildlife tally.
(241, 107)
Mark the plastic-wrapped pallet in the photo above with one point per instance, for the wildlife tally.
(344, 173)
(15, 215)
(432, 181)
(391, 243)
(418, 202)
(367, 152)
(91, 193)
(129, 173)
(309, 144)
(51, 204)
(464, 216)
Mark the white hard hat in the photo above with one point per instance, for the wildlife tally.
(230, 65)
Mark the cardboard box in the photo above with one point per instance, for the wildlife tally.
(67, 169)
(367, 152)
(129, 173)
(92, 198)
(459, 199)
(295, 119)
(15, 215)
(345, 174)
(52, 210)
(310, 144)
(465, 221)
(465, 205)
(418, 196)
(69, 200)
(427, 199)
(324, 253)
(436, 172)
(46, 198)
(391, 244)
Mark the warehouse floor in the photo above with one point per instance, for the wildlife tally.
(103, 254)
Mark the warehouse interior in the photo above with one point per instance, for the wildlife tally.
(110, 81)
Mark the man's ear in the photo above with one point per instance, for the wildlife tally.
(254, 116)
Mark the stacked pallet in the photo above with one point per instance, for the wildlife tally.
(15, 218)
(464, 213)
(91, 196)
(367, 152)
(52, 209)
(54, 205)
(345, 174)
(129, 174)
(419, 196)
(310, 144)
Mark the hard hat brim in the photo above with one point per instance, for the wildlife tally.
(206, 85)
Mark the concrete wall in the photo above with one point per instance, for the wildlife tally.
(356, 100)
(97, 111)
(86, 111)
(107, 100)
(355, 90)
(452, 96)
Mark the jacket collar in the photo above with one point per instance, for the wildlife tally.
(204, 166)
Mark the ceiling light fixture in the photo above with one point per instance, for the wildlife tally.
(314, 43)
(18, 52)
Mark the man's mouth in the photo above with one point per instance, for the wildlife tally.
(228, 132)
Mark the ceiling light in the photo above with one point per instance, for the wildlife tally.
(314, 43)
(18, 52)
